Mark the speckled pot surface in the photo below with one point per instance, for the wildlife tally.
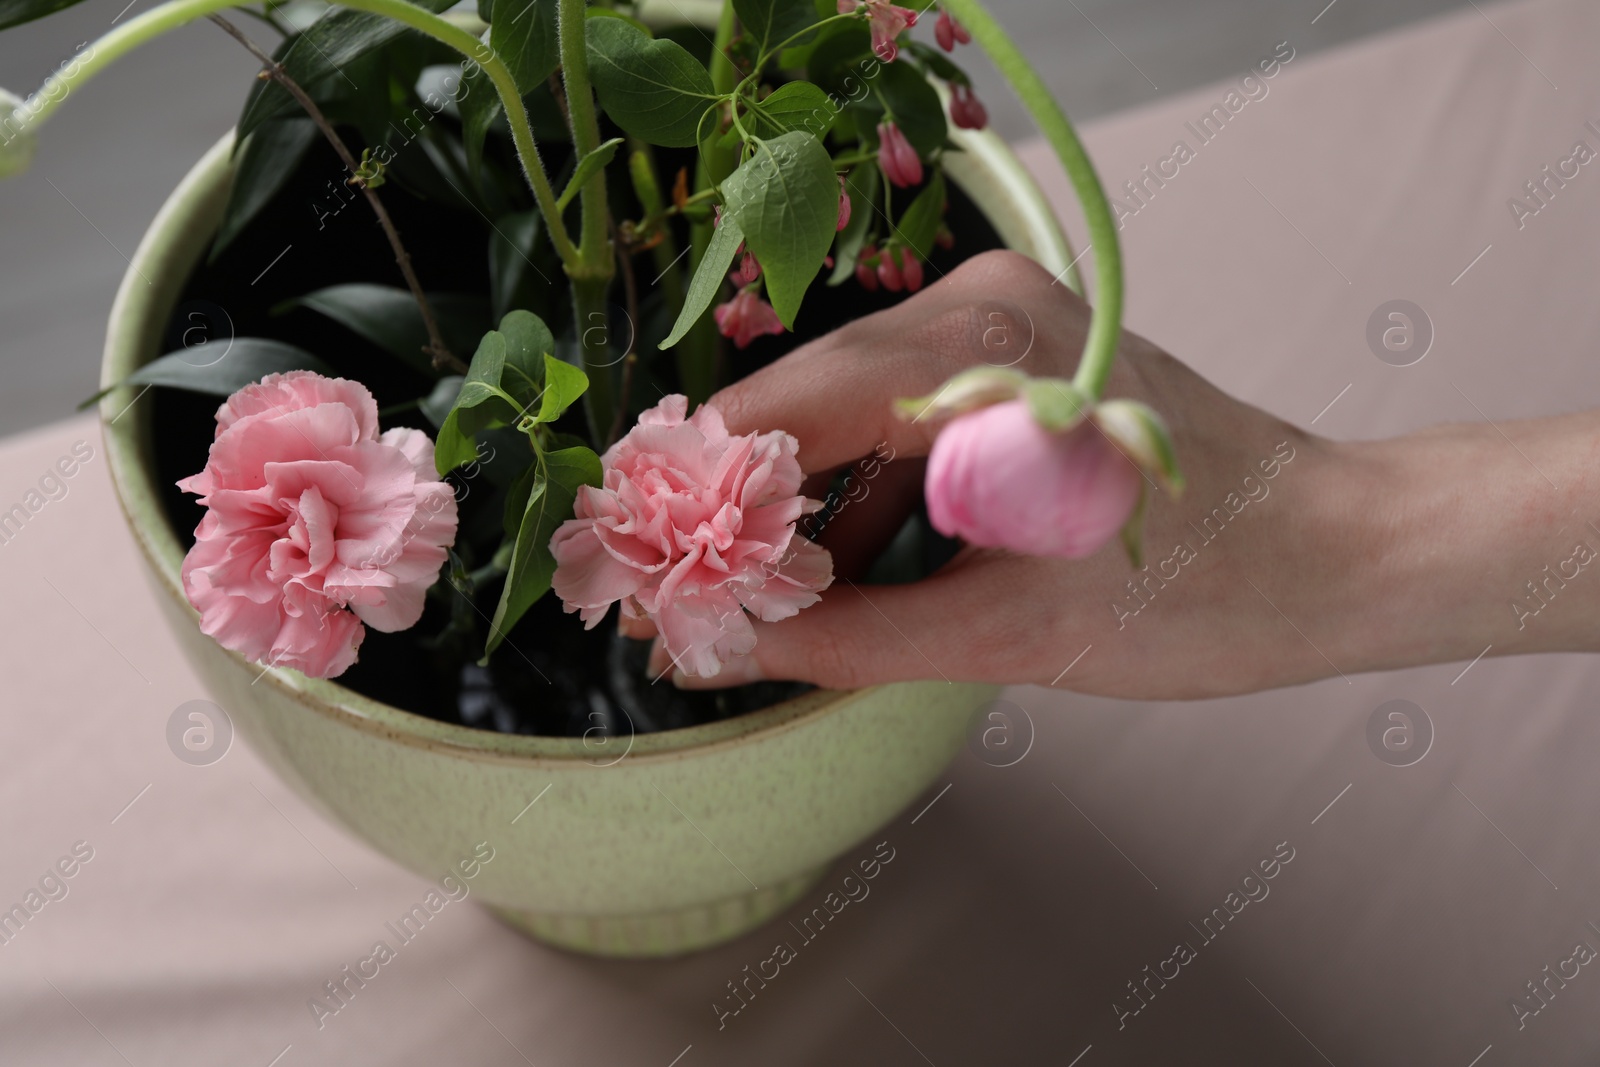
(679, 841)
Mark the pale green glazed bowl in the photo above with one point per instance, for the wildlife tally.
(693, 837)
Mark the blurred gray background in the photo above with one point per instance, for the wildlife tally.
(111, 154)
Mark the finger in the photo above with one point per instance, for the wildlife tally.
(868, 635)
(868, 512)
(836, 394)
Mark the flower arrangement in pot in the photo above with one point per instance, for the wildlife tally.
(436, 487)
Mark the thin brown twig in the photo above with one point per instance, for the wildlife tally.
(436, 349)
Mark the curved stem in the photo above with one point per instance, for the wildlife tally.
(169, 16)
(1105, 328)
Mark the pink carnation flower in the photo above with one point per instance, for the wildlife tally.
(315, 524)
(692, 528)
(997, 478)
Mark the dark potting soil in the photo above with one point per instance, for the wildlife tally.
(550, 677)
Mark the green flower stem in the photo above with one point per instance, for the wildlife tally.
(697, 353)
(1105, 328)
(591, 275)
(169, 16)
(593, 243)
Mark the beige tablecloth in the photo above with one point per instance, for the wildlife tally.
(1032, 908)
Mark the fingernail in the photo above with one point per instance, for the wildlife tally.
(741, 671)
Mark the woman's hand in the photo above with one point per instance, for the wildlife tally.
(1288, 558)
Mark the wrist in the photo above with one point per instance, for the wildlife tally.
(1468, 538)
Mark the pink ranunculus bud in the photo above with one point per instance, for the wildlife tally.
(844, 206)
(694, 529)
(966, 110)
(911, 270)
(949, 33)
(900, 162)
(998, 479)
(315, 524)
(888, 22)
(746, 317)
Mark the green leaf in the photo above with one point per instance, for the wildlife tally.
(862, 185)
(551, 495)
(919, 225)
(16, 12)
(479, 105)
(389, 318)
(523, 34)
(563, 385)
(792, 106)
(220, 368)
(511, 248)
(528, 344)
(786, 200)
(270, 157)
(937, 63)
(587, 167)
(655, 90)
(324, 52)
(437, 404)
(917, 108)
(480, 405)
(707, 280)
(768, 23)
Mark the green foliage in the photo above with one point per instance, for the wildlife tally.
(16, 12)
(769, 23)
(523, 33)
(655, 90)
(513, 380)
(267, 161)
(220, 368)
(901, 90)
(325, 52)
(793, 106)
(588, 167)
(862, 185)
(786, 200)
(918, 227)
(550, 489)
(707, 280)
(390, 318)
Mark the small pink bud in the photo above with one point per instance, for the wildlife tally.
(911, 271)
(746, 317)
(966, 110)
(844, 206)
(949, 33)
(749, 270)
(900, 162)
(998, 479)
(868, 280)
(889, 274)
(945, 239)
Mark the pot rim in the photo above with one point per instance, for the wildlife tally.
(156, 275)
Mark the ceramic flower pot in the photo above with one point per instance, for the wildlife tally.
(673, 842)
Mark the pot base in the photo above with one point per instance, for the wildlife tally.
(653, 934)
